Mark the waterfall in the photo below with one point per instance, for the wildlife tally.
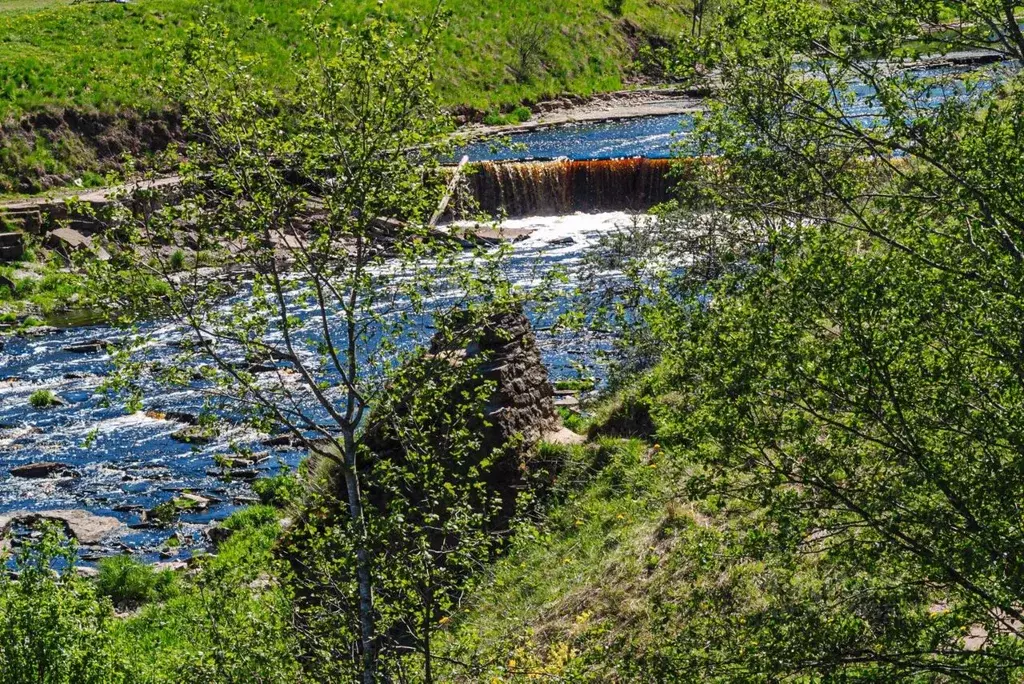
(565, 186)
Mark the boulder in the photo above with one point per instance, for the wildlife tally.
(87, 571)
(12, 247)
(42, 469)
(88, 528)
(68, 241)
(564, 437)
(217, 534)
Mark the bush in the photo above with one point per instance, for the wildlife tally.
(277, 490)
(54, 628)
(177, 262)
(128, 581)
(627, 415)
(520, 114)
(41, 399)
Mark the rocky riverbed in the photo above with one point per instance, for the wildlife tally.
(89, 456)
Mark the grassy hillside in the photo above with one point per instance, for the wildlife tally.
(107, 55)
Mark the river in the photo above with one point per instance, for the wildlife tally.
(128, 462)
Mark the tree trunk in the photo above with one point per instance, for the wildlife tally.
(363, 577)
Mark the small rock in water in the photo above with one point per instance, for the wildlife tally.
(561, 242)
(188, 500)
(181, 417)
(195, 435)
(78, 376)
(90, 347)
(286, 439)
(42, 469)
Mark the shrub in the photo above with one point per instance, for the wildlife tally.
(177, 260)
(41, 399)
(529, 42)
(277, 490)
(520, 114)
(494, 118)
(128, 581)
(54, 628)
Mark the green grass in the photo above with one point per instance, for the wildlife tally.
(128, 581)
(108, 56)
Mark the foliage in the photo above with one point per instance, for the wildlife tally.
(844, 358)
(128, 581)
(228, 621)
(53, 625)
(327, 194)
(41, 399)
(277, 490)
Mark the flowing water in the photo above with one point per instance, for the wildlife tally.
(126, 463)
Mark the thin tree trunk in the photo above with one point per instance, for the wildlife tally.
(428, 674)
(363, 577)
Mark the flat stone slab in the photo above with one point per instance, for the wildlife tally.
(90, 347)
(41, 469)
(88, 528)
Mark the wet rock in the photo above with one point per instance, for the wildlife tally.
(79, 376)
(87, 571)
(90, 347)
(561, 242)
(287, 439)
(246, 475)
(182, 417)
(242, 461)
(43, 469)
(193, 501)
(195, 434)
(39, 331)
(492, 236)
(88, 528)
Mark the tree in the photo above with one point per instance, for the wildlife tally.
(855, 370)
(323, 195)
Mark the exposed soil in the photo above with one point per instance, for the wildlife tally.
(53, 147)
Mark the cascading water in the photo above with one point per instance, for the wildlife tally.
(565, 186)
